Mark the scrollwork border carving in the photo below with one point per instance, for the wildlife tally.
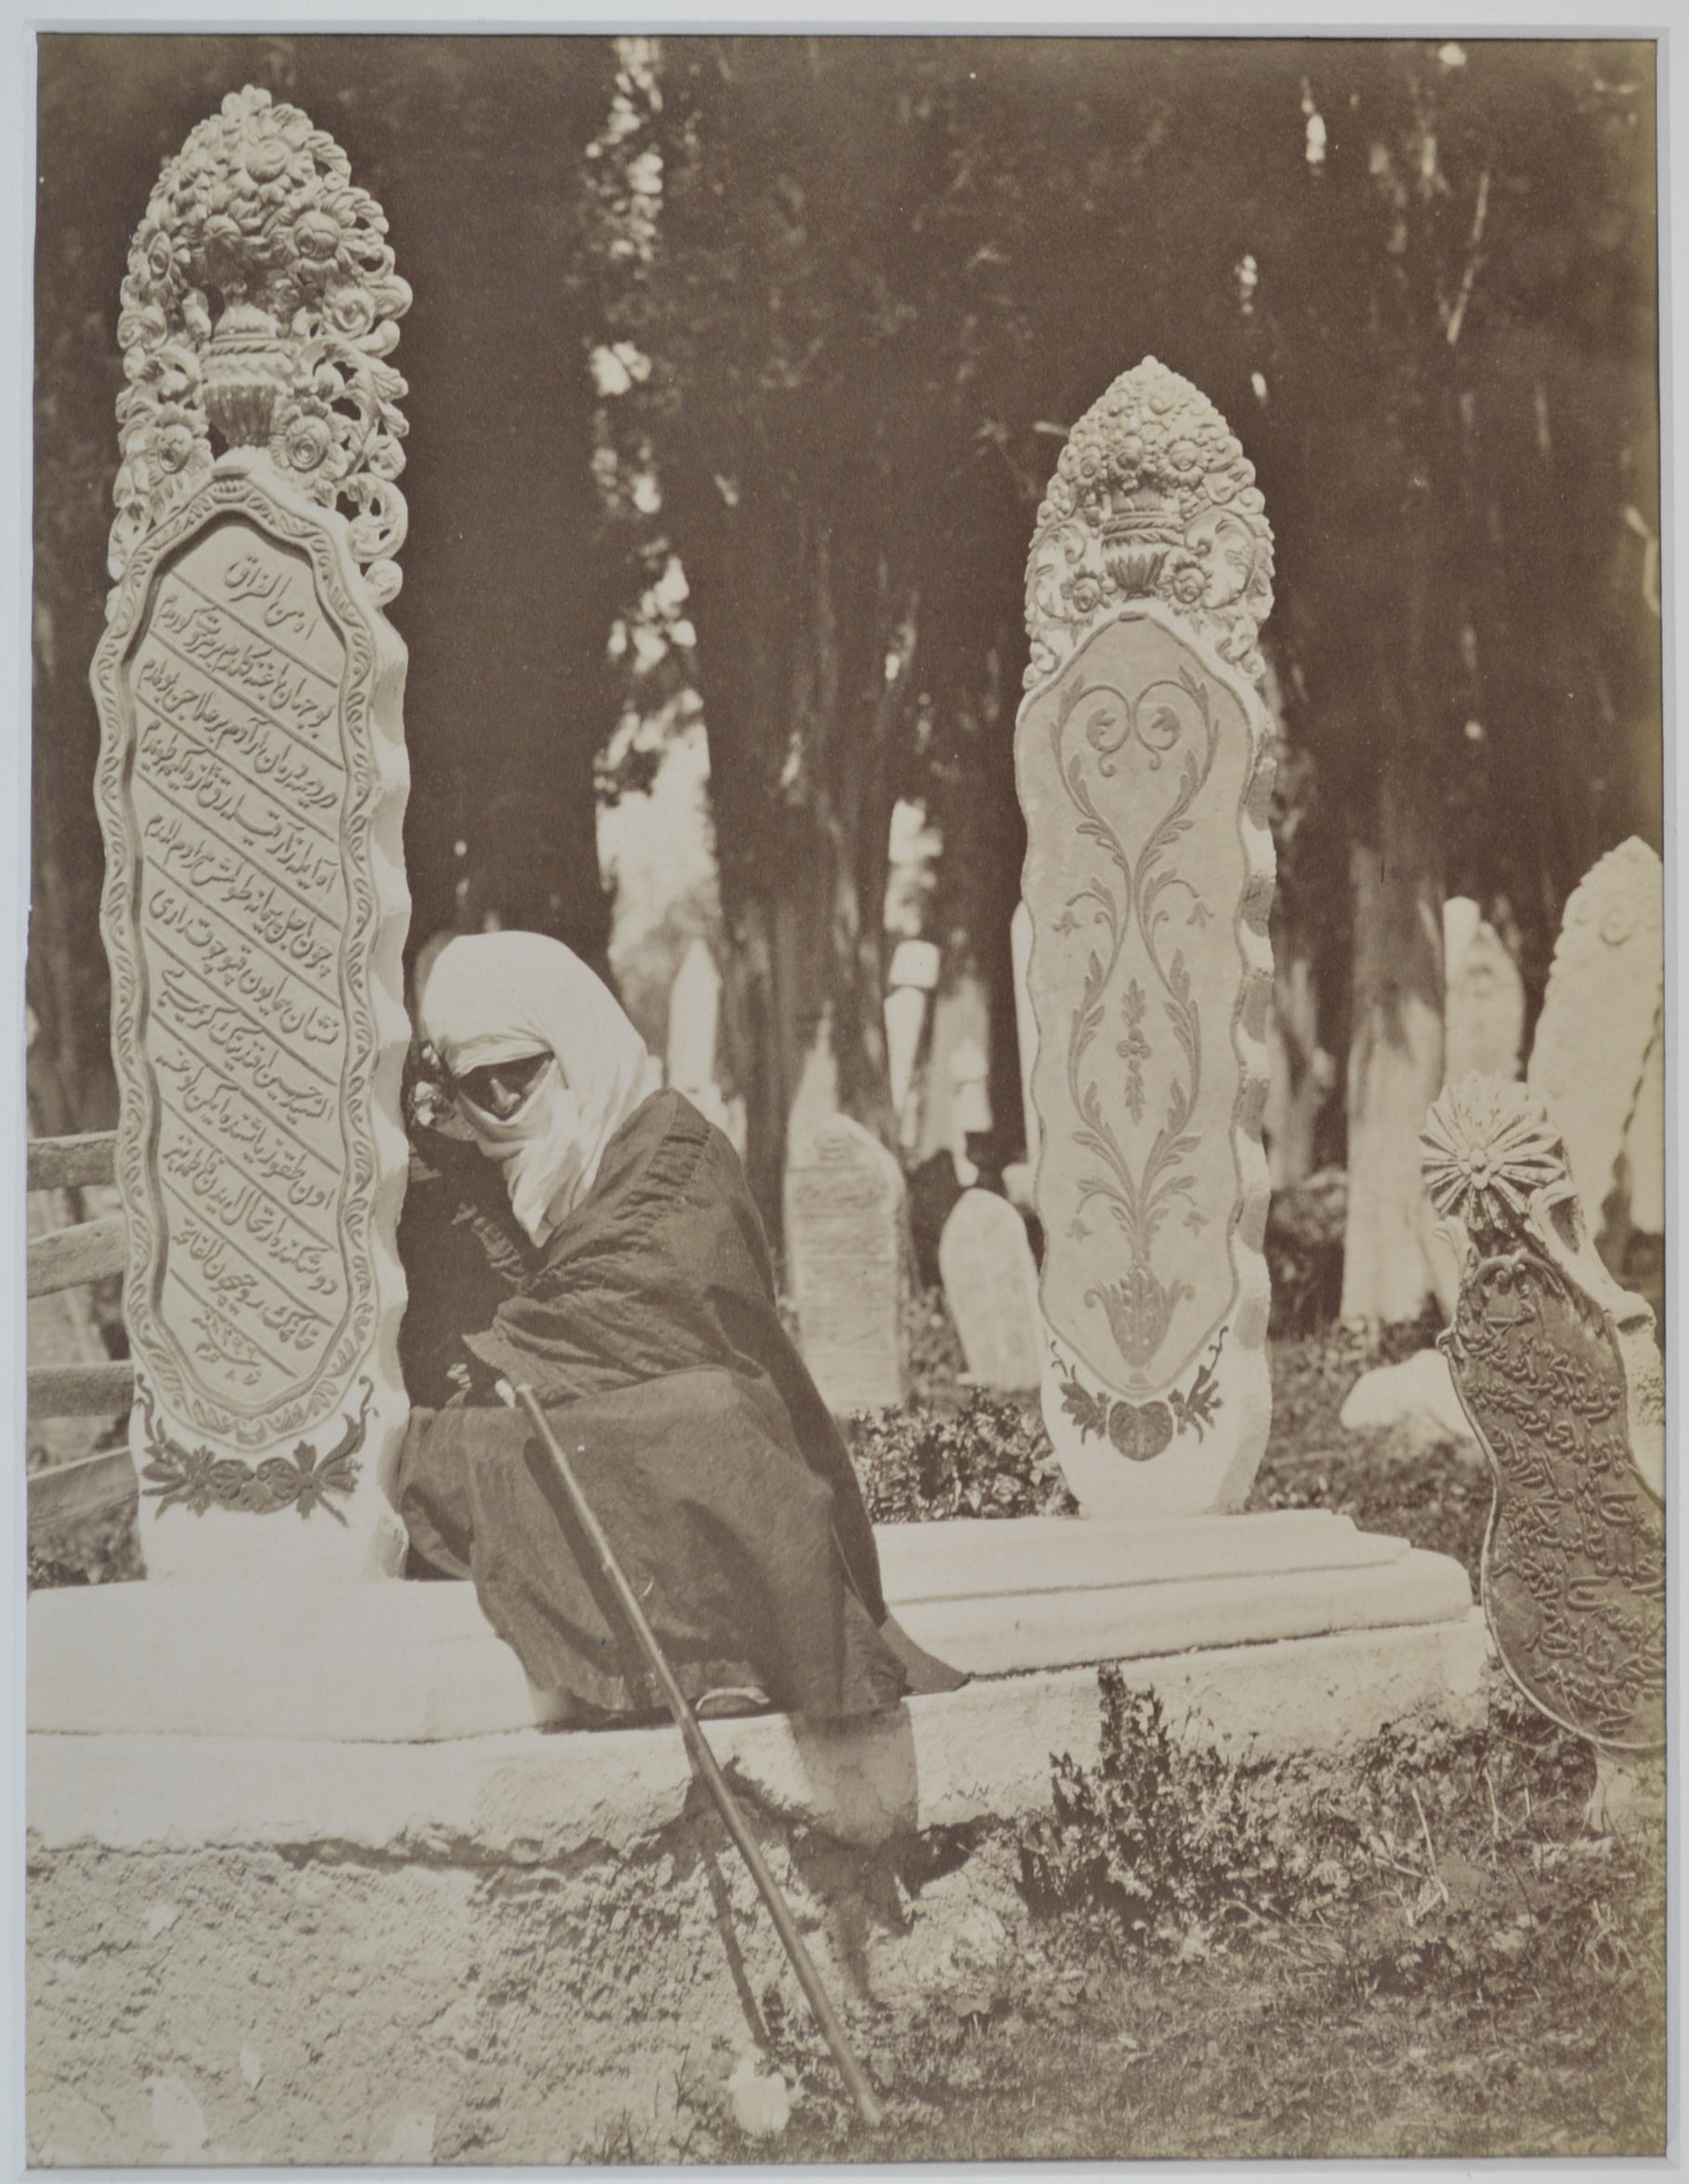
(239, 487)
(1247, 1307)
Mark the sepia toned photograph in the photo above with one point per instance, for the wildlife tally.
(847, 1053)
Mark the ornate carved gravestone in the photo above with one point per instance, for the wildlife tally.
(1604, 999)
(1144, 757)
(845, 1240)
(251, 786)
(990, 1285)
(1559, 1375)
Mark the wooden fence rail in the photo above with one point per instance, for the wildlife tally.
(72, 1256)
(65, 1494)
(67, 1163)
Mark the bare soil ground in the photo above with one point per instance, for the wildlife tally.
(1489, 1978)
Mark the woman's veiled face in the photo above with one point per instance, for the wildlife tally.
(500, 1087)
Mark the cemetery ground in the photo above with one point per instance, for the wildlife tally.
(1418, 1952)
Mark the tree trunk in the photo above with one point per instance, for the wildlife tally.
(794, 630)
(1395, 1047)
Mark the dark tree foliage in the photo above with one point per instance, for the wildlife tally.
(473, 146)
(886, 276)
(870, 284)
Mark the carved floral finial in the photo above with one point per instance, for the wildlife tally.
(261, 300)
(1489, 1149)
(1153, 498)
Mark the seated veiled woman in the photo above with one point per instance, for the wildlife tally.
(565, 1232)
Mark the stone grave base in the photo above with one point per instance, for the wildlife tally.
(513, 1947)
(389, 1662)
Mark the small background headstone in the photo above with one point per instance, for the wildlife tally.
(1484, 996)
(847, 1251)
(991, 1286)
(962, 1021)
(1599, 1016)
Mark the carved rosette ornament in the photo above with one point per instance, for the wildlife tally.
(1152, 499)
(251, 786)
(1559, 1373)
(1144, 758)
(261, 304)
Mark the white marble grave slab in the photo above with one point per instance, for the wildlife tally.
(1483, 998)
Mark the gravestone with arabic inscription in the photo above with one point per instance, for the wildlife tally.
(1144, 759)
(845, 1242)
(251, 786)
(991, 1286)
(1600, 1016)
(1560, 1375)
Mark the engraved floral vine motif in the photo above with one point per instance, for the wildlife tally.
(196, 1479)
(259, 209)
(1138, 1305)
(1152, 498)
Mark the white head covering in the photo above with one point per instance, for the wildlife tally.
(503, 996)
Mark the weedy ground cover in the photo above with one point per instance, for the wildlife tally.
(1418, 1952)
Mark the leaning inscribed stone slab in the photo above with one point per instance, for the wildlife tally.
(1604, 996)
(1561, 1376)
(991, 1286)
(1144, 759)
(845, 1240)
(251, 786)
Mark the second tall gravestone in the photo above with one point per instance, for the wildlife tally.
(1144, 758)
(251, 786)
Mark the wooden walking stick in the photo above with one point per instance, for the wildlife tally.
(791, 1941)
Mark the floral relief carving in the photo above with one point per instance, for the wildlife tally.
(1142, 1430)
(261, 302)
(198, 1479)
(1121, 899)
(1152, 498)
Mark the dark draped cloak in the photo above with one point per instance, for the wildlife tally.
(647, 1329)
